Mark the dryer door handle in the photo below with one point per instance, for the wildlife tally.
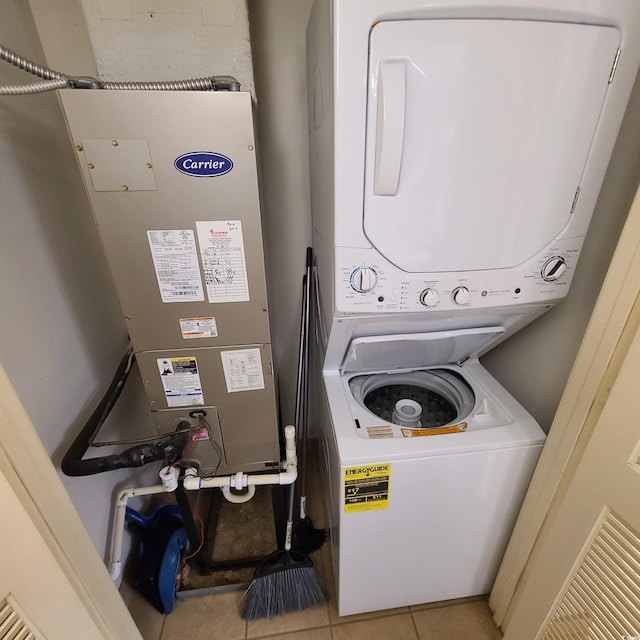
(389, 127)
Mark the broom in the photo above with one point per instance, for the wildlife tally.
(286, 580)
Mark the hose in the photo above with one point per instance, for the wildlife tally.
(171, 449)
(213, 83)
(136, 456)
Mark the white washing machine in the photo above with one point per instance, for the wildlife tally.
(457, 151)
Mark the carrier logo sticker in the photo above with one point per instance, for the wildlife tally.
(436, 431)
(203, 164)
(366, 488)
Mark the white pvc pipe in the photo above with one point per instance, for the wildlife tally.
(115, 557)
(238, 498)
(192, 482)
(241, 480)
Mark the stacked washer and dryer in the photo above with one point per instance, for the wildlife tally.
(457, 151)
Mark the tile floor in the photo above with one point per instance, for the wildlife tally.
(217, 616)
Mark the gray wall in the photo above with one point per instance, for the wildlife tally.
(278, 44)
(61, 329)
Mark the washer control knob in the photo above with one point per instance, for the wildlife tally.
(553, 268)
(461, 295)
(363, 279)
(429, 298)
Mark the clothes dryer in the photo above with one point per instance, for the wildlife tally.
(457, 150)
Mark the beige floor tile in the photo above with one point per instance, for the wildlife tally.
(310, 634)
(447, 603)
(389, 628)
(299, 620)
(471, 620)
(214, 617)
(147, 619)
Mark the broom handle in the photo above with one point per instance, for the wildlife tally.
(289, 533)
(297, 420)
(305, 381)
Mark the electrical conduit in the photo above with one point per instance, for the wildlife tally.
(57, 80)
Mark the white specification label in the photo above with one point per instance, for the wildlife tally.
(176, 263)
(181, 381)
(198, 328)
(223, 262)
(242, 370)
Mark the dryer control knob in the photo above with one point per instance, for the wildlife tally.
(363, 279)
(461, 295)
(553, 268)
(429, 298)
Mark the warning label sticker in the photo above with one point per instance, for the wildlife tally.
(366, 488)
(181, 381)
(436, 431)
(198, 328)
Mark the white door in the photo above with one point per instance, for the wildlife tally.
(35, 595)
(478, 133)
(582, 580)
(53, 584)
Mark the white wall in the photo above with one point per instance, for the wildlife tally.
(61, 329)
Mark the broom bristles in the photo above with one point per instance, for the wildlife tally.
(281, 591)
(307, 538)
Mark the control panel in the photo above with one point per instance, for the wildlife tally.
(366, 282)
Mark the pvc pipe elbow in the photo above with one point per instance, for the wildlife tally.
(238, 498)
(169, 476)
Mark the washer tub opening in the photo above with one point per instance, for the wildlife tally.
(419, 399)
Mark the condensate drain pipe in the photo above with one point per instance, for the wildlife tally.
(240, 480)
(115, 557)
(192, 482)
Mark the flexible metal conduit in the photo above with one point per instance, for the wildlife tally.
(31, 67)
(213, 83)
(34, 87)
(59, 80)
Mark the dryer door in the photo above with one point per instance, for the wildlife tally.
(478, 132)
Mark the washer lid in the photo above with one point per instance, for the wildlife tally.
(412, 350)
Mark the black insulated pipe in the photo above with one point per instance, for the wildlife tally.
(170, 449)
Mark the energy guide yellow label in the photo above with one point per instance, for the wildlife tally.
(366, 488)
